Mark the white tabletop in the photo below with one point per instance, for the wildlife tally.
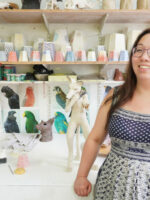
(46, 171)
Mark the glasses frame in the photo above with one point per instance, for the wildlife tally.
(143, 50)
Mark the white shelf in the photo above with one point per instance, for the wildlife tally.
(46, 175)
(49, 82)
(67, 63)
(22, 82)
(74, 16)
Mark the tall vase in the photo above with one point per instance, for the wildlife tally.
(148, 4)
(142, 4)
(109, 4)
(126, 4)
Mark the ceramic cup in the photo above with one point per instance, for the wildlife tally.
(8, 77)
(70, 56)
(29, 50)
(91, 56)
(3, 56)
(81, 55)
(23, 57)
(12, 56)
(59, 56)
(8, 46)
(124, 56)
(102, 56)
(46, 56)
(35, 56)
(113, 56)
(49, 46)
(40, 48)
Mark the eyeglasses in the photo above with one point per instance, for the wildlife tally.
(139, 51)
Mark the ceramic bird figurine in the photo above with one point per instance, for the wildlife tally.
(13, 98)
(31, 122)
(60, 123)
(10, 124)
(6, 5)
(29, 97)
(60, 97)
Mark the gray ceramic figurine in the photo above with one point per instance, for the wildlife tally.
(46, 130)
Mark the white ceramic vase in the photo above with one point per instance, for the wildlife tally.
(109, 4)
(127, 4)
(143, 4)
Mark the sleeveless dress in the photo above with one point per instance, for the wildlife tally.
(125, 173)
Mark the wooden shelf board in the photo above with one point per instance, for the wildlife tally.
(74, 16)
(66, 63)
(22, 82)
(49, 82)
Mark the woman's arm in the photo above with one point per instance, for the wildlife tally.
(96, 137)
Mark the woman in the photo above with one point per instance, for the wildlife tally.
(125, 114)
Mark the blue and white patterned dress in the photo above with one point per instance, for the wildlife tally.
(125, 174)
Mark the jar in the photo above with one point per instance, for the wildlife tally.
(22, 77)
(13, 77)
(7, 70)
(8, 77)
(1, 72)
(17, 77)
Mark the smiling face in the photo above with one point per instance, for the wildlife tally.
(141, 65)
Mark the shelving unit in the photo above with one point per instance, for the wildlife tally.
(73, 16)
(46, 182)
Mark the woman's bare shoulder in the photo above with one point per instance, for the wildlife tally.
(108, 98)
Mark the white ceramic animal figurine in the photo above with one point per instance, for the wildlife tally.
(46, 130)
(77, 101)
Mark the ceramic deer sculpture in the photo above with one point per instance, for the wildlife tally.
(77, 102)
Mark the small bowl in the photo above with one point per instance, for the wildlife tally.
(41, 77)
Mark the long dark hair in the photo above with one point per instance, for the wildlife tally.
(125, 91)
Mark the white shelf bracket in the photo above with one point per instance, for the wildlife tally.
(46, 22)
(102, 22)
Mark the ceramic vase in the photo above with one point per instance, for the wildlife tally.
(142, 4)
(109, 4)
(126, 4)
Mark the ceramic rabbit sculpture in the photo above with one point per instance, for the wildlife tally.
(46, 130)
